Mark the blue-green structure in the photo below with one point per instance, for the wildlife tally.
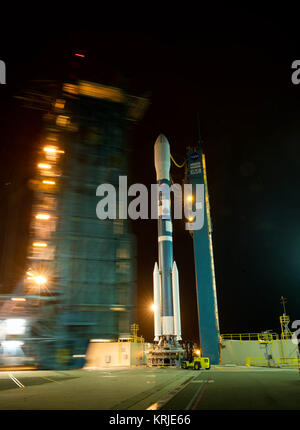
(204, 263)
(85, 266)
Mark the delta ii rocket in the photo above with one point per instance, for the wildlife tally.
(167, 325)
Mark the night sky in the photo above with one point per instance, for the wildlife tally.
(235, 71)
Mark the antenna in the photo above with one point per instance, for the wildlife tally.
(199, 140)
(283, 301)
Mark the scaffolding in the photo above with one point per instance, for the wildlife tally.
(85, 266)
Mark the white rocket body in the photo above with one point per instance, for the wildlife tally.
(161, 329)
(165, 274)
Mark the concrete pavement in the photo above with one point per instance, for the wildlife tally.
(134, 388)
(221, 388)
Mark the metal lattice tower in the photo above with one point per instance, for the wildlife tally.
(284, 321)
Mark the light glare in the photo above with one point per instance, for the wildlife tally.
(42, 216)
(53, 150)
(44, 166)
(15, 326)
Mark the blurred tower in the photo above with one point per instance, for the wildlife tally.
(83, 268)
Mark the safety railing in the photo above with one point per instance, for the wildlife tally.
(289, 363)
(285, 336)
(256, 362)
(242, 337)
(134, 339)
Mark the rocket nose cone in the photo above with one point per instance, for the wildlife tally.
(161, 140)
(162, 157)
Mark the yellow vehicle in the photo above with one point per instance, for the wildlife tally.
(192, 358)
(197, 363)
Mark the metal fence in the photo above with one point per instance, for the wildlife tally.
(289, 363)
(242, 337)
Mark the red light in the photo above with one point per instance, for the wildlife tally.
(80, 55)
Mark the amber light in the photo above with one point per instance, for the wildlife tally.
(49, 182)
(44, 166)
(42, 216)
(54, 150)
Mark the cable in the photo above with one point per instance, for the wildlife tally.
(177, 165)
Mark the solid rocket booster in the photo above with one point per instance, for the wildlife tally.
(176, 301)
(165, 275)
(156, 291)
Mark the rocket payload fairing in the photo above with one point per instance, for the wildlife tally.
(167, 324)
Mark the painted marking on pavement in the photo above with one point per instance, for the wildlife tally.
(200, 395)
(157, 405)
(16, 381)
(49, 379)
(197, 396)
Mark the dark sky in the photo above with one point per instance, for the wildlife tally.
(235, 70)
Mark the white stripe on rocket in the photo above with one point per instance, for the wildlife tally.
(162, 238)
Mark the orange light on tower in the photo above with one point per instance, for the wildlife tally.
(49, 182)
(53, 150)
(40, 244)
(59, 104)
(44, 166)
(63, 120)
(42, 216)
(40, 280)
(36, 277)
